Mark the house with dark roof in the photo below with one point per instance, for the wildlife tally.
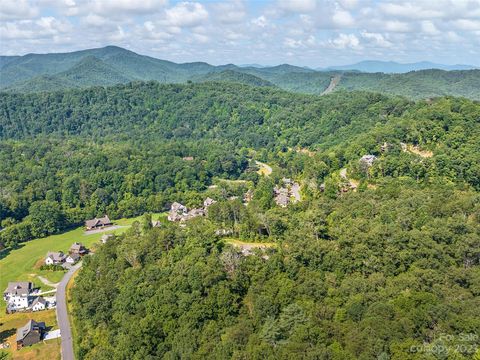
(18, 295)
(97, 223)
(29, 334)
(78, 248)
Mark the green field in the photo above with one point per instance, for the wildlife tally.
(22, 264)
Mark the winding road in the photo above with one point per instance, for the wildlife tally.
(333, 84)
(62, 314)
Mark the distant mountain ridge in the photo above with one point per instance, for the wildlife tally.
(112, 65)
(374, 66)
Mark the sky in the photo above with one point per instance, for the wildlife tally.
(315, 33)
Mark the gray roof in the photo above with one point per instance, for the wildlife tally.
(98, 221)
(28, 327)
(22, 288)
(56, 255)
(40, 300)
(77, 246)
(74, 256)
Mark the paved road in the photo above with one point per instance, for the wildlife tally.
(62, 315)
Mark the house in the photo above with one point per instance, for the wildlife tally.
(187, 158)
(177, 212)
(78, 248)
(18, 295)
(106, 237)
(98, 223)
(368, 159)
(156, 223)
(39, 304)
(54, 258)
(29, 334)
(72, 258)
(208, 201)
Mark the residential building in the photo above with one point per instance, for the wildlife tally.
(72, 258)
(54, 258)
(29, 334)
(97, 223)
(18, 295)
(78, 248)
(39, 304)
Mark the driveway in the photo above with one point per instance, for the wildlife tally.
(104, 229)
(52, 335)
(62, 314)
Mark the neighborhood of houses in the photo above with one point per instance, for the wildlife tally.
(23, 296)
(180, 213)
(288, 193)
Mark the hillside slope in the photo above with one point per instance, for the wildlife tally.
(114, 65)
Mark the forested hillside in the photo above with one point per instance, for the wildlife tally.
(113, 65)
(384, 269)
(417, 84)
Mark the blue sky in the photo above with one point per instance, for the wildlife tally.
(314, 33)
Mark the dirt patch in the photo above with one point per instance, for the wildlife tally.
(417, 151)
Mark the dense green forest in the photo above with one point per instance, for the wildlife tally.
(388, 271)
(113, 65)
(382, 274)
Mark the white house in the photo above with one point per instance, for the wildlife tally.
(18, 295)
(54, 258)
(39, 304)
(72, 258)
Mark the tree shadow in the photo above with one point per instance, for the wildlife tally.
(5, 334)
(4, 253)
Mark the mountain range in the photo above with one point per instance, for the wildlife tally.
(113, 65)
(373, 66)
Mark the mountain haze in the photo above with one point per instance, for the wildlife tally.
(374, 66)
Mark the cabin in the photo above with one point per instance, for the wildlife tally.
(72, 259)
(39, 304)
(55, 258)
(29, 334)
(18, 295)
(98, 223)
(78, 248)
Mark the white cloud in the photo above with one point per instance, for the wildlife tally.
(44, 27)
(467, 24)
(344, 41)
(297, 6)
(397, 26)
(232, 12)
(342, 19)
(17, 10)
(429, 28)
(186, 14)
(261, 21)
(376, 39)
